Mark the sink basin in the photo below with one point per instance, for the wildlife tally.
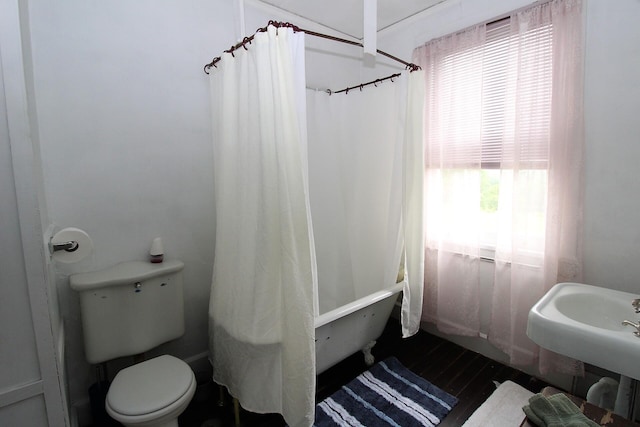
(585, 322)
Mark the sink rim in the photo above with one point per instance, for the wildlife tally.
(608, 348)
(569, 290)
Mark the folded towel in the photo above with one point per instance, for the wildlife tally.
(555, 411)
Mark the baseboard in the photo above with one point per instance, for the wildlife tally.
(81, 412)
(199, 362)
(73, 417)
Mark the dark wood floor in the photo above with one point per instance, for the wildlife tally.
(463, 373)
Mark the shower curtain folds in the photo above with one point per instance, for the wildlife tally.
(365, 178)
(362, 183)
(264, 280)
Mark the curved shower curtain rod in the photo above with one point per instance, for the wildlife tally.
(247, 40)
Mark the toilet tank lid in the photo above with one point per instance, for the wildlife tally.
(123, 274)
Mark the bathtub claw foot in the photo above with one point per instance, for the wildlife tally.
(369, 360)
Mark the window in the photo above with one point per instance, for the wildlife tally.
(504, 144)
(487, 135)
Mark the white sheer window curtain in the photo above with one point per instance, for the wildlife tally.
(504, 158)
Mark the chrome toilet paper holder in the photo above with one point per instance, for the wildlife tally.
(70, 246)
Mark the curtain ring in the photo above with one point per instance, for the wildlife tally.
(329, 92)
(211, 64)
(360, 87)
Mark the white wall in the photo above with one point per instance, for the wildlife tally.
(123, 112)
(612, 107)
(17, 332)
(32, 389)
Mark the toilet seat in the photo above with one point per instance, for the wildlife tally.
(151, 388)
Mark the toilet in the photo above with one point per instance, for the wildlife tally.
(129, 309)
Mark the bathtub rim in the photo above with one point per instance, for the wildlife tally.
(356, 305)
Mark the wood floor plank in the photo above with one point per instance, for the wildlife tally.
(465, 374)
(474, 394)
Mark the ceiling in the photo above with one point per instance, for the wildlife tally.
(346, 16)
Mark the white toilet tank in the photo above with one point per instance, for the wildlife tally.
(130, 308)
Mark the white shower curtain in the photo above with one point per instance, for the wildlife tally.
(261, 309)
(365, 177)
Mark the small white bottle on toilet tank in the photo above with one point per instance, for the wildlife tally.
(156, 253)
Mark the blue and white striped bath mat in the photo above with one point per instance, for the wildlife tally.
(388, 394)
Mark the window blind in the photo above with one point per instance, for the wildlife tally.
(486, 90)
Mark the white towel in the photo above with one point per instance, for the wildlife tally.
(503, 408)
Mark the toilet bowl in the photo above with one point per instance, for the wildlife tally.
(152, 393)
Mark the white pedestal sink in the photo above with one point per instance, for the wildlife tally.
(585, 322)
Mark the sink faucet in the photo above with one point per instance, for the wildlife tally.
(635, 325)
(636, 305)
